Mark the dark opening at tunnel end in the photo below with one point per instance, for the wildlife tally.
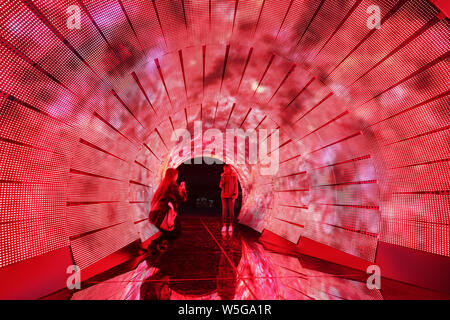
(198, 150)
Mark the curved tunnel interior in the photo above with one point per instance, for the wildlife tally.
(91, 117)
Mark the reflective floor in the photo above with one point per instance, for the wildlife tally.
(203, 264)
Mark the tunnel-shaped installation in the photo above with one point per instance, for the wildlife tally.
(88, 114)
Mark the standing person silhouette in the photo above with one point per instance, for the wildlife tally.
(229, 186)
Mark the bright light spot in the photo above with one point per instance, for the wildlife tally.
(255, 86)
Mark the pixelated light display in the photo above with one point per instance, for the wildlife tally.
(87, 115)
(259, 275)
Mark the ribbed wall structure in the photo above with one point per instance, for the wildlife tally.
(87, 115)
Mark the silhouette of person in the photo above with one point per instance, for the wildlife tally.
(156, 287)
(229, 193)
(167, 197)
(226, 275)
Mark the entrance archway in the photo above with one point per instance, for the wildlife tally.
(202, 183)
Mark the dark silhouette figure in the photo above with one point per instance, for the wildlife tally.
(168, 196)
(207, 272)
(230, 190)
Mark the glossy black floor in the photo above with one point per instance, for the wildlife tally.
(203, 263)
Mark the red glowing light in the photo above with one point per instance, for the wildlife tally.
(86, 118)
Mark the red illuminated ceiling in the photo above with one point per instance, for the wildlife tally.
(87, 116)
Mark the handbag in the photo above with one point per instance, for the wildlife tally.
(168, 224)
